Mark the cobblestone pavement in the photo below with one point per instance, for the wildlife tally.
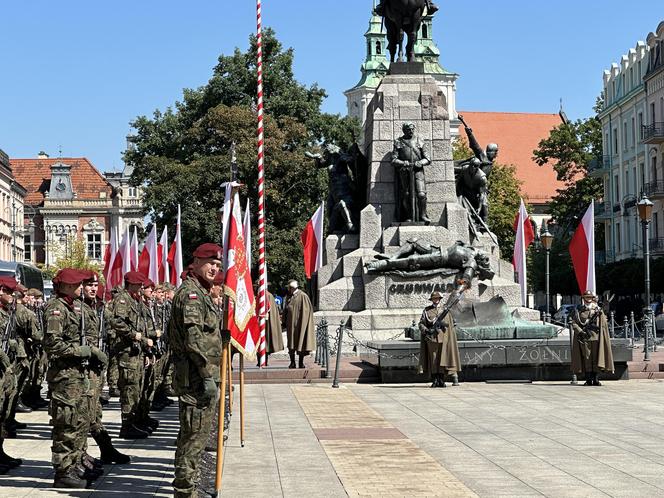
(542, 439)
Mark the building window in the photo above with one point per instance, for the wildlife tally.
(625, 135)
(425, 31)
(654, 170)
(631, 77)
(618, 241)
(627, 182)
(642, 169)
(655, 225)
(131, 192)
(379, 48)
(27, 248)
(615, 141)
(633, 132)
(616, 199)
(640, 126)
(652, 113)
(94, 246)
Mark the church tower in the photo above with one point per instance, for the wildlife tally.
(376, 65)
(373, 69)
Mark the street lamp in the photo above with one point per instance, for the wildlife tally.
(645, 213)
(546, 239)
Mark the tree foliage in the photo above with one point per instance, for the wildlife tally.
(73, 254)
(182, 155)
(504, 198)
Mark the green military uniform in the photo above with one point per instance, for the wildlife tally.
(195, 343)
(69, 382)
(27, 333)
(126, 319)
(30, 395)
(7, 380)
(113, 370)
(591, 345)
(148, 386)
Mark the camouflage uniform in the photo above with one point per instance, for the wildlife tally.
(195, 343)
(69, 382)
(148, 386)
(30, 395)
(7, 376)
(26, 333)
(126, 319)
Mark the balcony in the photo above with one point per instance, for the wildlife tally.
(653, 133)
(604, 257)
(602, 210)
(654, 190)
(600, 167)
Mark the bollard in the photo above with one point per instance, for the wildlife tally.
(612, 323)
(326, 350)
(335, 383)
(571, 348)
(631, 339)
(625, 326)
(318, 341)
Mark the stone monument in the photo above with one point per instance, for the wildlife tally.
(379, 306)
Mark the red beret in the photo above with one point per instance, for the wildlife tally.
(69, 276)
(218, 278)
(90, 276)
(21, 288)
(8, 283)
(149, 283)
(208, 250)
(134, 278)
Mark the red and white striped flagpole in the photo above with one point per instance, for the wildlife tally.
(262, 268)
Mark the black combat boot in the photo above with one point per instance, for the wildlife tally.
(589, 379)
(69, 479)
(85, 473)
(89, 460)
(114, 392)
(130, 431)
(6, 460)
(441, 380)
(596, 381)
(108, 453)
(291, 354)
(21, 408)
(301, 360)
(434, 379)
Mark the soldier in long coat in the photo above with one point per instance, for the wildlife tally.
(300, 329)
(439, 351)
(273, 329)
(591, 346)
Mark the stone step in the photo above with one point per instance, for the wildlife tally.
(646, 375)
(645, 366)
(352, 370)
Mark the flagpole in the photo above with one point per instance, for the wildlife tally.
(262, 268)
(222, 408)
(241, 400)
(230, 385)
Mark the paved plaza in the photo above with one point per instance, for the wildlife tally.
(541, 439)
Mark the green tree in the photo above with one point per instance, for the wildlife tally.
(574, 149)
(73, 254)
(504, 198)
(182, 155)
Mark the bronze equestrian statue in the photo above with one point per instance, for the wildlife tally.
(403, 16)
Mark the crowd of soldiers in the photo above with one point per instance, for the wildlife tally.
(147, 342)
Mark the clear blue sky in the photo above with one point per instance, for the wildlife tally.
(75, 73)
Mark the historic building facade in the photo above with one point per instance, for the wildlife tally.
(68, 198)
(12, 230)
(628, 167)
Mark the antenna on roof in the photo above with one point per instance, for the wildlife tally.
(562, 114)
(60, 151)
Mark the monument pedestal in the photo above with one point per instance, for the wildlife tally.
(380, 306)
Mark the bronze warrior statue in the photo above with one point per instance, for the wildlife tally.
(409, 157)
(403, 17)
(423, 260)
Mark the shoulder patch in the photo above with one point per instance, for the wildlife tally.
(56, 313)
(193, 296)
(122, 301)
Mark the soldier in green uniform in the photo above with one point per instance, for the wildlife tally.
(113, 371)
(163, 383)
(98, 432)
(439, 350)
(127, 320)
(31, 395)
(195, 343)
(68, 377)
(152, 355)
(7, 378)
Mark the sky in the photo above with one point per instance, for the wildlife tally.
(75, 73)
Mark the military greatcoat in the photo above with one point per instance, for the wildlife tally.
(591, 347)
(439, 350)
(300, 329)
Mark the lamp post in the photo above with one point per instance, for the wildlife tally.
(645, 212)
(547, 241)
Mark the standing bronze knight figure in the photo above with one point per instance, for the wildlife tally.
(409, 157)
(591, 350)
(439, 350)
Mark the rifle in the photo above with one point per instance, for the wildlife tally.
(103, 342)
(10, 332)
(85, 362)
(452, 301)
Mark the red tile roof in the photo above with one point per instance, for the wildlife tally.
(518, 135)
(35, 176)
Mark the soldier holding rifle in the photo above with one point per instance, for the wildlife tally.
(591, 347)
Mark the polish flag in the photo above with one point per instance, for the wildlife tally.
(312, 241)
(109, 260)
(242, 320)
(246, 232)
(133, 251)
(524, 237)
(582, 250)
(162, 256)
(148, 261)
(122, 261)
(175, 255)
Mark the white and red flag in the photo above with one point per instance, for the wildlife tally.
(123, 257)
(312, 242)
(524, 237)
(133, 250)
(148, 261)
(175, 255)
(582, 250)
(110, 276)
(162, 256)
(242, 320)
(246, 232)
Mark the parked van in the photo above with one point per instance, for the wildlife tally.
(28, 275)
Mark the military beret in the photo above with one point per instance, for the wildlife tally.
(134, 278)
(34, 293)
(90, 276)
(208, 250)
(148, 283)
(21, 288)
(8, 283)
(69, 276)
